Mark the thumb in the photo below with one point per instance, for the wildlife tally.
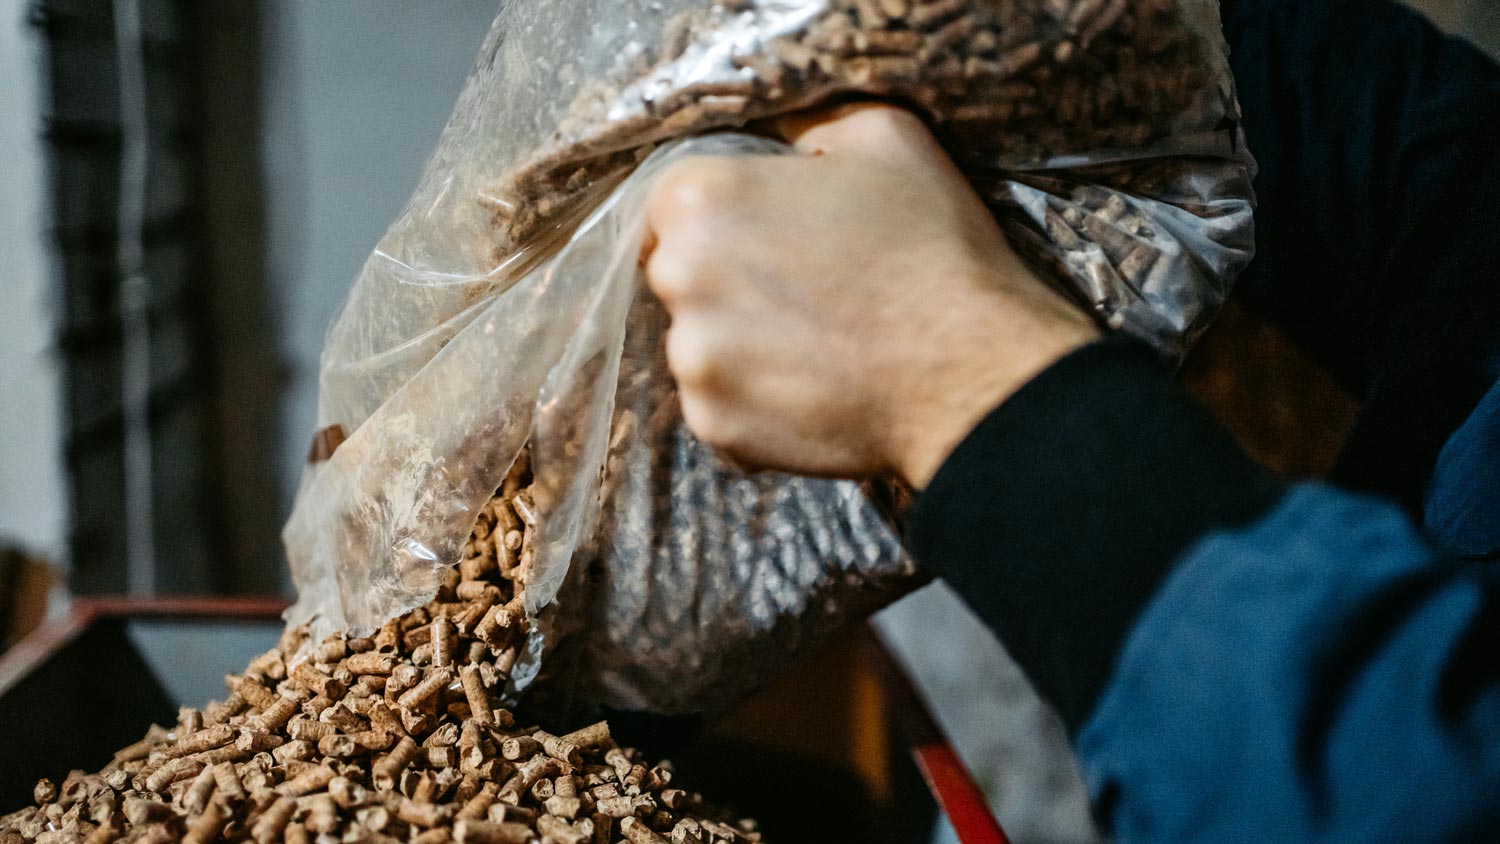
(868, 128)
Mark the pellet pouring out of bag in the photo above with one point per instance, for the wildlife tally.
(502, 310)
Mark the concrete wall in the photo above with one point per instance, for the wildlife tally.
(355, 96)
(1476, 20)
(33, 507)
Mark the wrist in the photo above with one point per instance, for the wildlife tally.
(990, 350)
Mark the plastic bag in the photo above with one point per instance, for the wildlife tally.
(502, 308)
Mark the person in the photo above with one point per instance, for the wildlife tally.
(1236, 657)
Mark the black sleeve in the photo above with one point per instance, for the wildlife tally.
(1060, 514)
(1377, 141)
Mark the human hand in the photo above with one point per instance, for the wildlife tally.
(849, 311)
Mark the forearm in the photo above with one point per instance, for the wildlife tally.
(1238, 660)
(1060, 515)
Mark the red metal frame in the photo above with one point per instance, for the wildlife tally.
(42, 643)
(947, 778)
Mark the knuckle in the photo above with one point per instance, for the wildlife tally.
(708, 423)
(888, 121)
(690, 356)
(671, 275)
(696, 187)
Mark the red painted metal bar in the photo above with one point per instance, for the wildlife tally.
(39, 646)
(250, 608)
(957, 795)
(44, 642)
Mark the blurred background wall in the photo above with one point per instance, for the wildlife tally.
(355, 96)
(33, 480)
(1476, 20)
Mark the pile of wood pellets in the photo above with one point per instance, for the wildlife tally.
(392, 738)
(1020, 81)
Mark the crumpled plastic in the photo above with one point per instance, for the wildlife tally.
(665, 579)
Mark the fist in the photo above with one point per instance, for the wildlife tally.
(850, 310)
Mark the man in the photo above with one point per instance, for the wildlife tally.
(1237, 658)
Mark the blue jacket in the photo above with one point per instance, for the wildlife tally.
(1239, 658)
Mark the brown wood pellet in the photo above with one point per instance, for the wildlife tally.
(306, 751)
(1019, 81)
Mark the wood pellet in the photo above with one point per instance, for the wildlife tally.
(1015, 81)
(311, 752)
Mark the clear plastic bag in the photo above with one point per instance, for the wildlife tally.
(503, 308)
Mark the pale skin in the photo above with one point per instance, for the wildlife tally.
(849, 311)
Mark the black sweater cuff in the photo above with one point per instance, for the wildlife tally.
(1059, 516)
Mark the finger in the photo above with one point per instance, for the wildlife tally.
(812, 130)
(866, 127)
(709, 422)
(665, 278)
(739, 463)
(686, 264)
(704, 417)
(649, 242)
(688, 193)
(693, 357)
